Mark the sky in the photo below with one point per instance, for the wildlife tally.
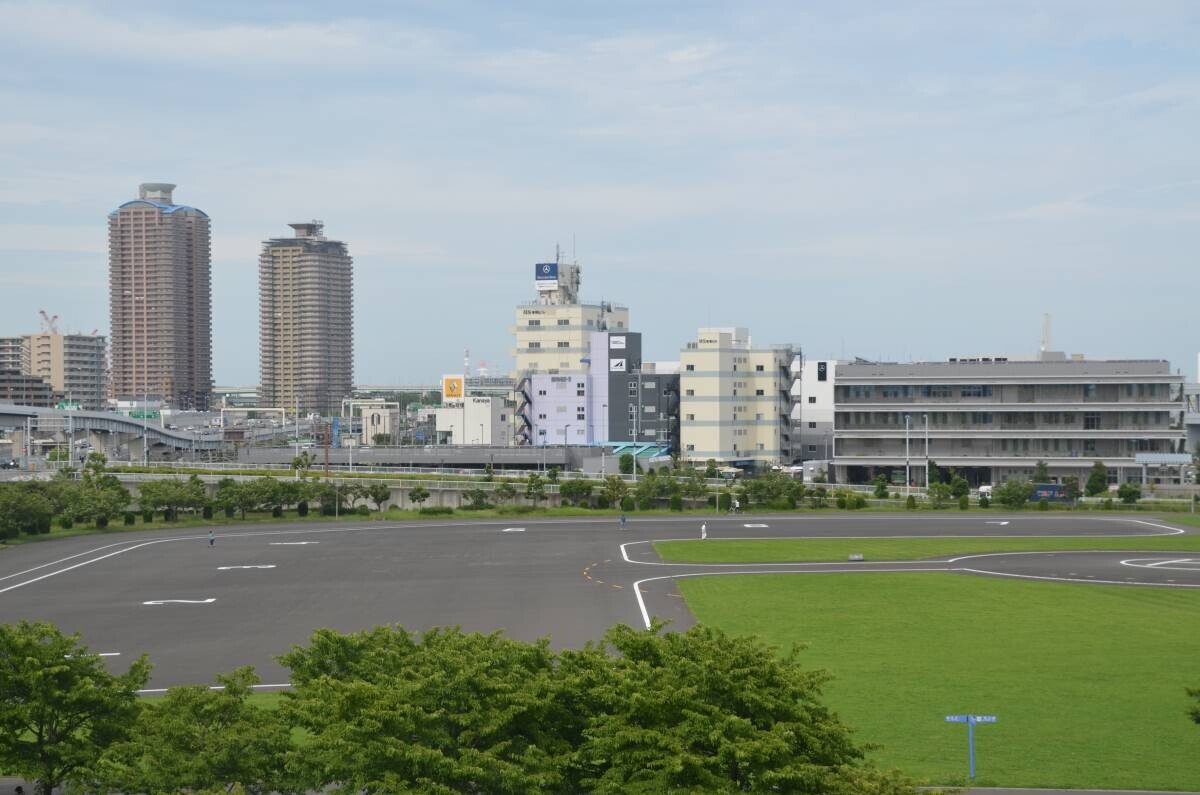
(889, 180)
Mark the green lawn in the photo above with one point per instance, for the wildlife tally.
(795, 550)
(1088, 681)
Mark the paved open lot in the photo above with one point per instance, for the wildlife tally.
(199, 609)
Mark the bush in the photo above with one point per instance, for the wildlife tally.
(302, 508)
(627, 503)
(964, 502)
(911, 503)
(130, 517)
(277, 511)
(363, 510)
(984, 501)
(1108, 504)
(230, 511)
(206, 512)
(436, 510)
(790, 501)
(895, 495)
(101, 522)
(676, 502)
(1043, 504)
(147, 516)
(645, 504)
(841, 500)
(65, 522)
(858, 502)
(602, 502)
(724, 502)
(1129, 493)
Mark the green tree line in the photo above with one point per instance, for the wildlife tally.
(386, 710)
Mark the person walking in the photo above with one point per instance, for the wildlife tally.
(622, 521)
(703, 531)
(212, 539)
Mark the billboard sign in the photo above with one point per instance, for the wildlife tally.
(616, 342)
(545, 276)
(453, 387)
(616, 366)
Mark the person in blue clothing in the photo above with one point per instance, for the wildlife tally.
(212, 539)
(622, 521)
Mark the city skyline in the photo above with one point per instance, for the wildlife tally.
(866, 182)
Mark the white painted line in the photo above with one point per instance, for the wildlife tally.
(265, 566)
(1090, 578)
(999, 523)
(755, 525)
(291, 543)
(637, 586)
(99, 654)
(513, 530)
(207, 601)
(155, 690)
(1165, 565)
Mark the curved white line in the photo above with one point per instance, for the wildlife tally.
(1151, 563)
(637, 586)
(1079, 579)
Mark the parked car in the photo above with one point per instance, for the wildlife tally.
(9, 464)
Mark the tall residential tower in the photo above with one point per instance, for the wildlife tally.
(160, 299)
(306, 321)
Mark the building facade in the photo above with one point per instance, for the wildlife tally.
(814, 409)
(24, 389)
(160, 299)
(736, 400)
(306, 321)
(475, 420)
(994, 420)
(73, 365)
(14, 354)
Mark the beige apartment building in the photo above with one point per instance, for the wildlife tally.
(306, 321)
(735, 399)
(160, 299)
(556, 338)
(73, 365)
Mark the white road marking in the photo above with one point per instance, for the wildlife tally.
(207, 601)
(1089, 579)
(513, 530)
(99, 654)
(291, 543)
(154, 690)
(755, 525)
(1166, 565)
(264, 566)
(999, 523)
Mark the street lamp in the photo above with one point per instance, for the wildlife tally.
(907, 479)
(926, 416)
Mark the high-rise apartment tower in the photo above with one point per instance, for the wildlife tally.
(160, 299)
(306, 321)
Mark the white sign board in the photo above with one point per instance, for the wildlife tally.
(616, 343)
(616, 365)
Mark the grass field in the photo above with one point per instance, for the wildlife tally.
(796, 550)
(1088, 682)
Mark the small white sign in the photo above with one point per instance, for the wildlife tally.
(616, 343)
(616, 365)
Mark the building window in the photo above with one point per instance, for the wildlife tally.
(535, 345)
(691, 448)
(542, 392)
(579, 393)
(812, 448)
(758, 368)
(690, 368)
(535, 322)
(1091, 422)
(564, 322)
(561, 409)
(504, 418)
(581, 416)
(564, 345)
(812, 425)
(690, 392)
(759, 392)
(812, 399)
(1089, 391)
(632, 431)
(690, 417)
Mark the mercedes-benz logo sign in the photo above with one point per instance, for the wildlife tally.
(545, 269)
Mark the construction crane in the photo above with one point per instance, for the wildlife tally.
(49, 324)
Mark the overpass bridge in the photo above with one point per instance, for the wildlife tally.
(107, 432)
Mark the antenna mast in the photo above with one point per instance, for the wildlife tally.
(1045, 332)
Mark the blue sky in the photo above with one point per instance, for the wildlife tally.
(918, 179)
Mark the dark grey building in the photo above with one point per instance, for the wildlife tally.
(637, 403)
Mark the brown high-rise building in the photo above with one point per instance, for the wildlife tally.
(160, 298)
(306, 321)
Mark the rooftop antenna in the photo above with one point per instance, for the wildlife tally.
(1045, 332)
(573, 257)
(466, 362)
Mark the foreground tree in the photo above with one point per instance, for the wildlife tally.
(23, 510)
(1097, 482)
(199, 740)
(1013, 493)
(59, 705)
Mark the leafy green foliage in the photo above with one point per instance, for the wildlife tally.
(59, 705)
(1013, 493)
(711, 471)
(379, 493)
(939, 495)
(625, 464)
(1041, 472)
(881, 487)
(23, 510)
(1129, 493)
(1097, 482)
(576, 491)
(1071, 487)
(418, 494)
(505, 492)
(535, 488)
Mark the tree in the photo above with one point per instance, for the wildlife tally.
(576, 491)
(59, 705)
(227, 497)
(1013, 493)
(505, 492)
(265, 494)
(615, 490)
(379, 493)
(23, 510)
(625, 464)
(1097, 482)
(381, 439)
(1071, 487)
(199, 740)
(418, 495)
(303, 462)
(477, 499)
(710, 469)
(1129, 493)
(171, 495)
(535, 488)
(819, 497)
(552, 475)
(693, 487)
(959, 486)
(939, 495)
(1041, 472)
(935, 472)
(881, 487)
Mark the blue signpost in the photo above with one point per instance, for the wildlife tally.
(971, 720)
